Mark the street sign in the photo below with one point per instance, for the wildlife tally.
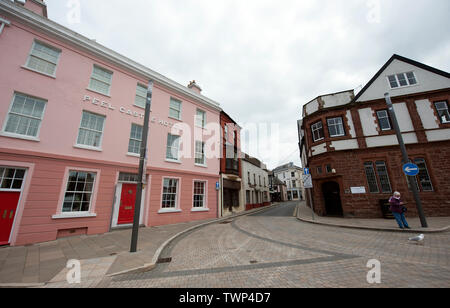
(307, 181)
(306, 171)
(411, 169)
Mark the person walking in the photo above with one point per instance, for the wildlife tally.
(398, 210)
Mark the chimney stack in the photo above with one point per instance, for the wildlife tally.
(195, 87)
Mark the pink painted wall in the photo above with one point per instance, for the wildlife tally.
(65, 93)
(35, 7)
(59, 130)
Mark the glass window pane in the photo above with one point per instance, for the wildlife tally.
(371, 177)
(393, 81)
(402, 80)
(384, 177)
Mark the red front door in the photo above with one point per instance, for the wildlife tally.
(127, 200)
(8, 207)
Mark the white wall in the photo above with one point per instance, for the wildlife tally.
(427, 81)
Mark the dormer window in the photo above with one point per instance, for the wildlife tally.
(402, 80)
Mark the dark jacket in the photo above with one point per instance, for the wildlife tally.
(396, 206)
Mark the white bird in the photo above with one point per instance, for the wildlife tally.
(417, 239)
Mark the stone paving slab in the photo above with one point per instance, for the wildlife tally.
(45, 262)
(436, 224)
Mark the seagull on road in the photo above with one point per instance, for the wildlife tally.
(417, 239)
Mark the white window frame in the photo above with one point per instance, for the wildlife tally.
(177, 197)
(168, 159)
(10, 189)
(202, 164)
(89, 147)
(139, 85)
(339, 124)
(205, 196)
(92, 77)
(314, 128)
(179, 111)
(448, 111)
(20, 136)
(3, 23)
(134, 139)
(92, 205)
(27, 64)
(203, 118)
(398, 81)
(386, 117)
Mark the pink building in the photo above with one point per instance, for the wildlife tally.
(71, 118)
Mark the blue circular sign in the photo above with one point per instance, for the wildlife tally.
(411, 169)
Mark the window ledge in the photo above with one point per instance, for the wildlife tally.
(134, 155)
(202, 165)
(95, 91)
(173, 161)
(179, 120)
(38, 72)
(73, 215)
(162, 211)
(85, 147)
(200, 209)
(17, 136)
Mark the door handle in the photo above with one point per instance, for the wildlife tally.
(4, 214)
(11, 215)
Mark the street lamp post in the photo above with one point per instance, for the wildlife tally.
(406, 160)
(142, 167)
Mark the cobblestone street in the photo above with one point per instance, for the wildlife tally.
(273, 249)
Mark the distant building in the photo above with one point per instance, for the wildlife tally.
(349, 144)
(278, 190)
(291, 176)
(255, 182)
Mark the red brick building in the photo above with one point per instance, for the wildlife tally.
(351, 148)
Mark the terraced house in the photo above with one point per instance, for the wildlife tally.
(351, 148)
(71, 120)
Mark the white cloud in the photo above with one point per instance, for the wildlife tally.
(262, 60)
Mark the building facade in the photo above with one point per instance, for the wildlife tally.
(255, 182)
(291, 176)
(232, 196)
(350, 146)
(71, 117)
(277, 188)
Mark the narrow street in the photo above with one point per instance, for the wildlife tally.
(273, 249)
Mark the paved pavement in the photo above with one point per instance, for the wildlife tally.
(435, 224)
(271, 250)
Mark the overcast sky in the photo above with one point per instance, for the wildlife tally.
(262, 60)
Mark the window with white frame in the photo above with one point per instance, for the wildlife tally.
(199, 194)
(134, 146)
(79, 190)
(317, 131)
(25, 116)
(43, 58)
(170, 192)
(442, 109)
(141, 96)
(11, 178)
(91, 130)
(336, 127)
(173, 147)
(175, 109)
(200, 118)
(101, 80)
(383, 120)
(402, 80)
(200, 153)
(424, 176)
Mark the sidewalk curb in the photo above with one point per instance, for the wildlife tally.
(424, 231)
(21, 285)
(148, 267)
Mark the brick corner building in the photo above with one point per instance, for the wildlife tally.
(351, 148)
